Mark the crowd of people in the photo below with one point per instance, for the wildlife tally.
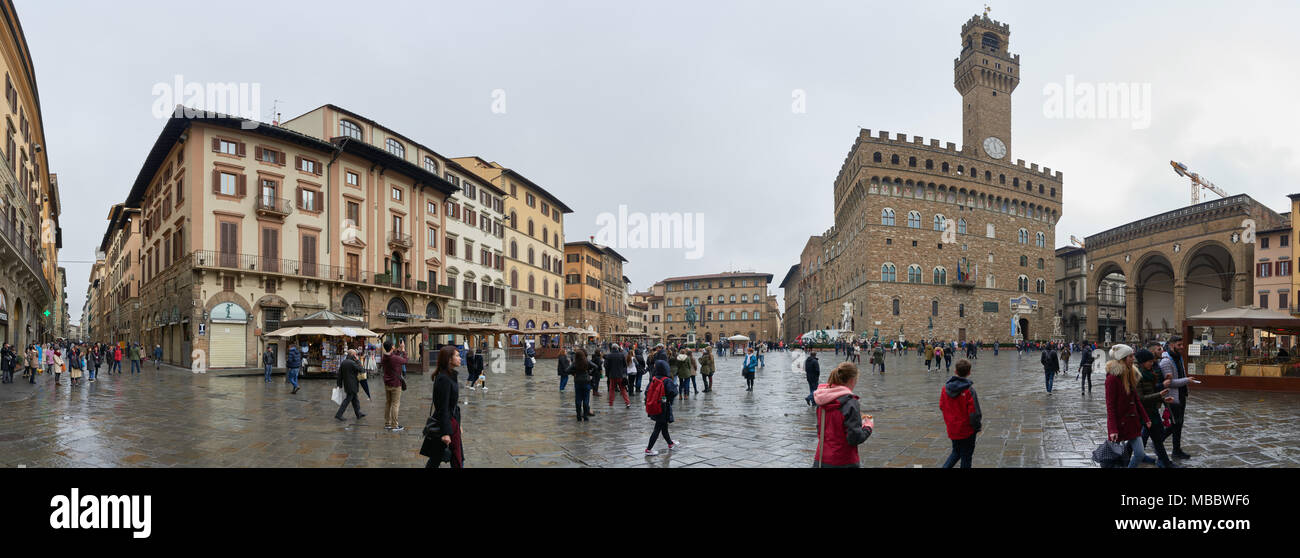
(77, 361)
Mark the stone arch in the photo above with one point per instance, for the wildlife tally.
(224, 297)
(353, 303)
(1212, 266)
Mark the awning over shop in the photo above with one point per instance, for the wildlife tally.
(1248, 316)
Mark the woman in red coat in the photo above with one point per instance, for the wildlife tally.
(1124, 413)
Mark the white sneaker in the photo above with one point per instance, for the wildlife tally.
(672, 447)
(471, 388)
(650, 453)
(484, 388)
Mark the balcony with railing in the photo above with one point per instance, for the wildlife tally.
(274, 207)
(297, 268)
(17, 245)
(399, 240)
(480, 305)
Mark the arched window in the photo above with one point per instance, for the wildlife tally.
(514, 221)
(988, 230)
(744, 315)
(961, 226)
(1040, 239)
(1040, 263)
(395, 148)
(514, 250)
(1022, 283)
(397, 306)
(895, 306)
(352, 304)
(1023, 236)
(733, 315)
(532, 283)
(546, 286)
(530, 255)
(349, 129)
(432, 311)
(913, 220)
(530, 324)
(1024, 261)
(887, 217)
(929, 164)
(530, 227)
(887, 272)
(945, 168)
(911, 161)
(546, 236)
(514, 279)
(1002, 179)
(913, 273)
(940, 276)
(989, 282)
(1041, 286)
(876, 158)
(893, 159)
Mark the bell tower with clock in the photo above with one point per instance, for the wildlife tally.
(985, 74)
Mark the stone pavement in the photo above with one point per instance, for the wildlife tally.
(173, 417)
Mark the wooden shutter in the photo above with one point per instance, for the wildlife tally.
(240, 149)
(216, 144)
(298, 194)
(297, 162)
(180, 191)
(309, 250)
(257, 153)
(216, 182)
(243, 183)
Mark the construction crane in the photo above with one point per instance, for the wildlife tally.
(1197, 182)
(1075, 241)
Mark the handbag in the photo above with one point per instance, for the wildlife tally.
(1167, 418)
(403, 379)
(337, 396)
(1109, 454)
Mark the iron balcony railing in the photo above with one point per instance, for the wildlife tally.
(27, 248)
(399, 239)
(277, 206)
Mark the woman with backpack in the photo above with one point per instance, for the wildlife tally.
(659, 405)
(596, 362)
(748, 367)
(707, 368)
(841, 426)
(446, 441)
(581, 371)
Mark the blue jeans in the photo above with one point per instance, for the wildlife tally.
(761, 362)
(564, 381)
(582, 398)
(92, 374)
(268, 373)
(1049, 376)
(812, 386)
(638, 381)
(292, 375)
(1138, 455)
(964, 450)
(135, 367)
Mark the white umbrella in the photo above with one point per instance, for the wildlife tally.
(738, 337)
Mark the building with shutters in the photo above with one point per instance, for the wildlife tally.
(595, 294)
(30, 236)
(245, 224)
(459, 242)
(726, 304)
(534, 248)
(119, 292)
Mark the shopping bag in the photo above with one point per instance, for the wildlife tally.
(337, 396)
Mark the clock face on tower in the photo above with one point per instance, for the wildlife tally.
(994, 147)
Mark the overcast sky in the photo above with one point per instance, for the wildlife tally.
(683, 106)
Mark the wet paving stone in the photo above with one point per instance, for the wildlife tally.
(173, 418)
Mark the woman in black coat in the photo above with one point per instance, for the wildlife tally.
(597, 362)
(349, 371)
(446, 395)
(581, 370)
(562, 368)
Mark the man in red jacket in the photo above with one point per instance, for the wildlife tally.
(392, 362)
(961, 412)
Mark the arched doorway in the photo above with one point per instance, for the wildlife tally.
(227, 335)
(1154, 280)
(1109, 284)
(1024, 329)
(708, 337)
(1210, 272)
(352, 304)
(4, 320)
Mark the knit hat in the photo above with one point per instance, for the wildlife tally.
(1144, 355)
(1120, 351)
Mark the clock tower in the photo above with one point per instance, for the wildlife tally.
(985, 74)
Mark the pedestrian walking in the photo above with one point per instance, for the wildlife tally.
(157, 357)
(1065, 360)
(1152, 393)
(961, 415)
(938, 356)
(1051, 365)
(562, 365)
(616, 371)
(530, 359)
(443, 432)
(812, 369)
(369, 367)
(1175, 371)
(293, 364)
(694, 371)
(33, 363)
(841, 426)
(641, 366)
(581, 370)
(707, 369)
(56, 364)
(135, 358)
(349, 379)
(268, 360)
(659, 405)
(1125, 415)
(474, 369)
(680, 365)
(8, 361)
(117, 358)
(1085, 370)
(947, 357)
(74, 366)
(748, 368)
(393, 361)
(878, 359)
